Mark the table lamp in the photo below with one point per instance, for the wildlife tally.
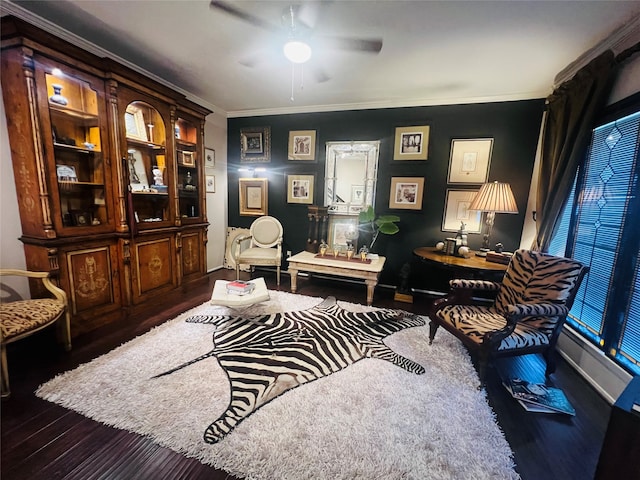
(493, 198)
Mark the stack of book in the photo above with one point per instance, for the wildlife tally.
(538, 397)
(240, 287)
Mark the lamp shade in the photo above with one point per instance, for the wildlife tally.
(495, 197)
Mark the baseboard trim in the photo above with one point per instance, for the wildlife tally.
(602, 373)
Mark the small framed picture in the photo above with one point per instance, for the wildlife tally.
(186, 158)
(406, 193)
(300, 189)
(80, 218)
(209, 158)
(341, 230)
(302, 145)
(253, 196)
(134, 124)
(357, 194)
(255, 145)
(469, 160)
(66, 173)
(456, 211)
(412, 143)
(210, 183)
(137, 171)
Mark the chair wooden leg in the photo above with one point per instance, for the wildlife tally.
(66, 330)
(278, 275)
(6, 391)
(237, 271)
(483, 363)
(550, 358)
(433, 328)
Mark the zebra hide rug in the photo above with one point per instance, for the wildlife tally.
(376, 401)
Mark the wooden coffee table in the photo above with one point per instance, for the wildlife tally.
(354, 268)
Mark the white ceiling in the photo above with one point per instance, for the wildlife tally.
(434, 52)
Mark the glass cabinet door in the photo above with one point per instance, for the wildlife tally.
(147, 164)
(78, 133)
(186, 139)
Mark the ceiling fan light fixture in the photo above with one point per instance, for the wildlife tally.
(297, 51)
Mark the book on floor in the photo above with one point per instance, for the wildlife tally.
(538, 397)
(240, 287)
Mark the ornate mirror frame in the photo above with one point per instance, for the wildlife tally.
(351, 170)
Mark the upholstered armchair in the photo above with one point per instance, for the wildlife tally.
(531, 304)
(19, 319)
(263, 247)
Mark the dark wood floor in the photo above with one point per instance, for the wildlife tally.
(41, 440)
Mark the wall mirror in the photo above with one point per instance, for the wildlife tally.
(350, 176)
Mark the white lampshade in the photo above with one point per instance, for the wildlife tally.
(495, 197)
(297, 52)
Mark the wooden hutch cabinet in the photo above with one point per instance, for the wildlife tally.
(109, 175)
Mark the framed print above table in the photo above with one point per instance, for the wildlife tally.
(406, 193)
(253, 196)
(302, 145)
(469, 160)
(342, 229)
(255, 145)
(456, 211)
(412, 143)
(134, 124)
(210, 183)
(300, 189)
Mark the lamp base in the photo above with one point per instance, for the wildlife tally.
(482, 252)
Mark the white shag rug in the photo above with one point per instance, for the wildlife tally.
(372, 420)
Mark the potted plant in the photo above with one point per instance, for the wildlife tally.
(375, 226)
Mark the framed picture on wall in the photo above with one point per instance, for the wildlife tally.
(253, 196)
(300, 188)
(456, 211)
(341, 229)
(134, 124)
(406, 193)
(469, 160)
(209, 157)
(255, 145)
(302, 145)
(412, 143)
(210, 183)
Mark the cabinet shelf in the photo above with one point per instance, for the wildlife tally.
(184, 143)
(143, 144)
(73, 148)
(87, 119)
(67, 184)
(151, 194)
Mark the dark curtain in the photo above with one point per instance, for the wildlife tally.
(570, 116)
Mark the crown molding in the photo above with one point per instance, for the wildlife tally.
(425, 102)
(622, 38)
(9, 8)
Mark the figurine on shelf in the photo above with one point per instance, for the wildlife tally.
(363, 253)
(350, 251)
(323, 248)
(57, 96)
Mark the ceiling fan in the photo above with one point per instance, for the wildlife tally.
(297, 33)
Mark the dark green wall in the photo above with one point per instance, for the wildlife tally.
(514, 126)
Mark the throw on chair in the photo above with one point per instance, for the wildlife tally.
(531, 305)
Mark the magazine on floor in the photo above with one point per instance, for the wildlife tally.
(538, 397)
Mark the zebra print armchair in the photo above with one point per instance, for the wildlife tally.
(530, 307)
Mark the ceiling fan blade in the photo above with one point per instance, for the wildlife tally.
(368, 45)
(245, 16)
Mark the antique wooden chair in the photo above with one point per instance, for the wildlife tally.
(530, 307)
(264, 245)
(19, 319)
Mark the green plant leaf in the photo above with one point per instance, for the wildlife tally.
(387, 219)
(389, 228)
(367, 215)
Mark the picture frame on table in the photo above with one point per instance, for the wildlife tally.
(209, 157)
(469, 160)
(302, 145)
(66, 173)
(253, 196)
(342, 227)
(134, 124)
(300, 189)
(406, 193)
(138, 180)
(255, 145)
(210, 183)
(411, 143)
(456, 211)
